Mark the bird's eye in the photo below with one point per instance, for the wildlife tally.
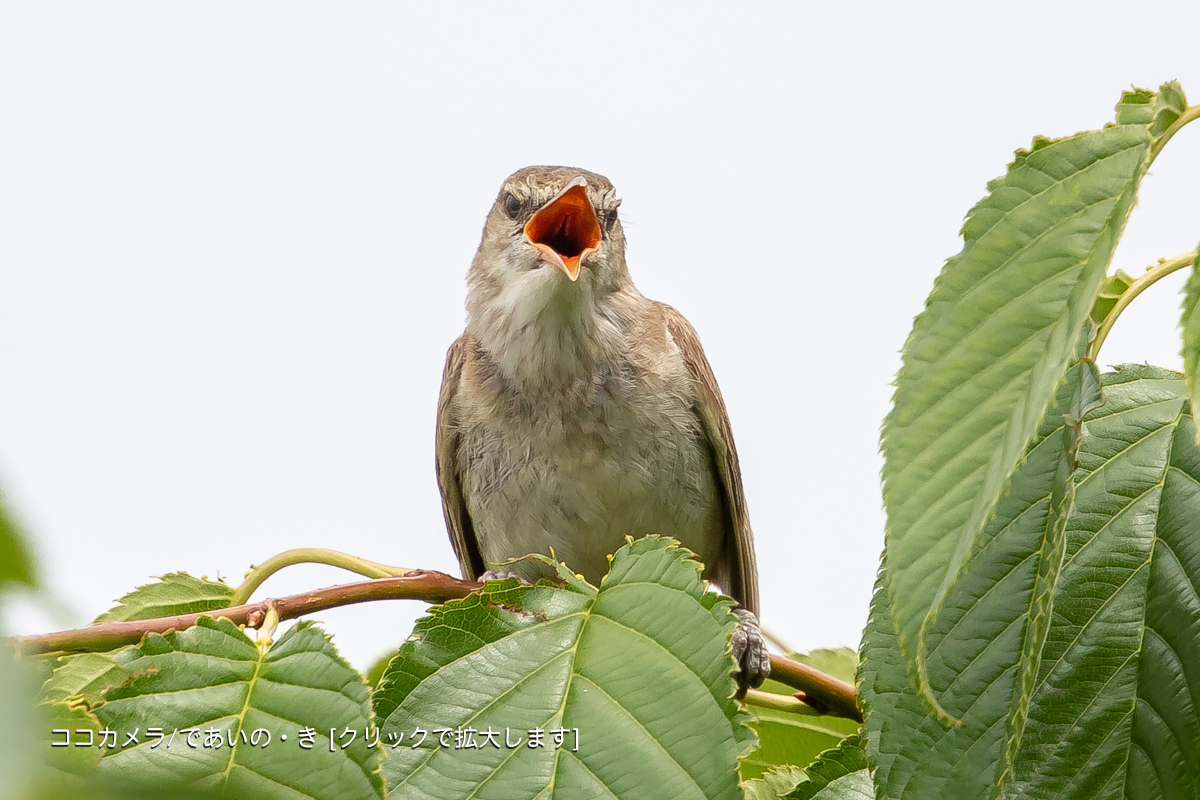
(512, 206)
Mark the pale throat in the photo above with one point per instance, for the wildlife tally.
(548, 337)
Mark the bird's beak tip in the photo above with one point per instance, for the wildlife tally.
(566, 227)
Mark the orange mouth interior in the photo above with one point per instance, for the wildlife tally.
(567, 225)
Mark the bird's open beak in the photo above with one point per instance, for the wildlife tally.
(565, 230)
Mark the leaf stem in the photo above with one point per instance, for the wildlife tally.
(1190, 113)
(256, 575)
(1153, 274)
(780, 702)
(1164, 266)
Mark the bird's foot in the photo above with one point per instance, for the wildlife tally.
(502, 575)
(750, 652)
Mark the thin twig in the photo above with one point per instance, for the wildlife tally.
(311, 555)
(427, 585)
(774, 638)
(780, 702)
(1153, 274)
(824, 693)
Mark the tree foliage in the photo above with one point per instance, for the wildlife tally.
(1034, 631)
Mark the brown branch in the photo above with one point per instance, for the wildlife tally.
(826, 694)
(823, 692)
(427, 585)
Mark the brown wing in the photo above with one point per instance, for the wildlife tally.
(449, 471)
(741, 578)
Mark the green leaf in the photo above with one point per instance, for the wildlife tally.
(637, 672)
(1110, 291)
(212, 678)
(32, 765)
(773, 784)
(790, 738)
(1190, 323)
(87, 676)
(70, 767)
(785, 738)
(173, 594)
(837, 774)
(981, 364)
(1115, 713)
(1164, 759)
(374, 674)
(1115, 709)
(1083, 383)
(16, 563)
(840, 662)
(18, 742)
(984, 645)
(1159, 111)
(854, 786)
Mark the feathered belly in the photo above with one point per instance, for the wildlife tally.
(582, 497)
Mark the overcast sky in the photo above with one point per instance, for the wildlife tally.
(234, 237)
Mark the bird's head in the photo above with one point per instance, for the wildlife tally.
(552, 239)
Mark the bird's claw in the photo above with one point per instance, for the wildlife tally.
(750, 652)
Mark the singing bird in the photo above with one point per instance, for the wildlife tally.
(574, 411)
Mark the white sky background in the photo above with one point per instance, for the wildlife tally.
(233, 243)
